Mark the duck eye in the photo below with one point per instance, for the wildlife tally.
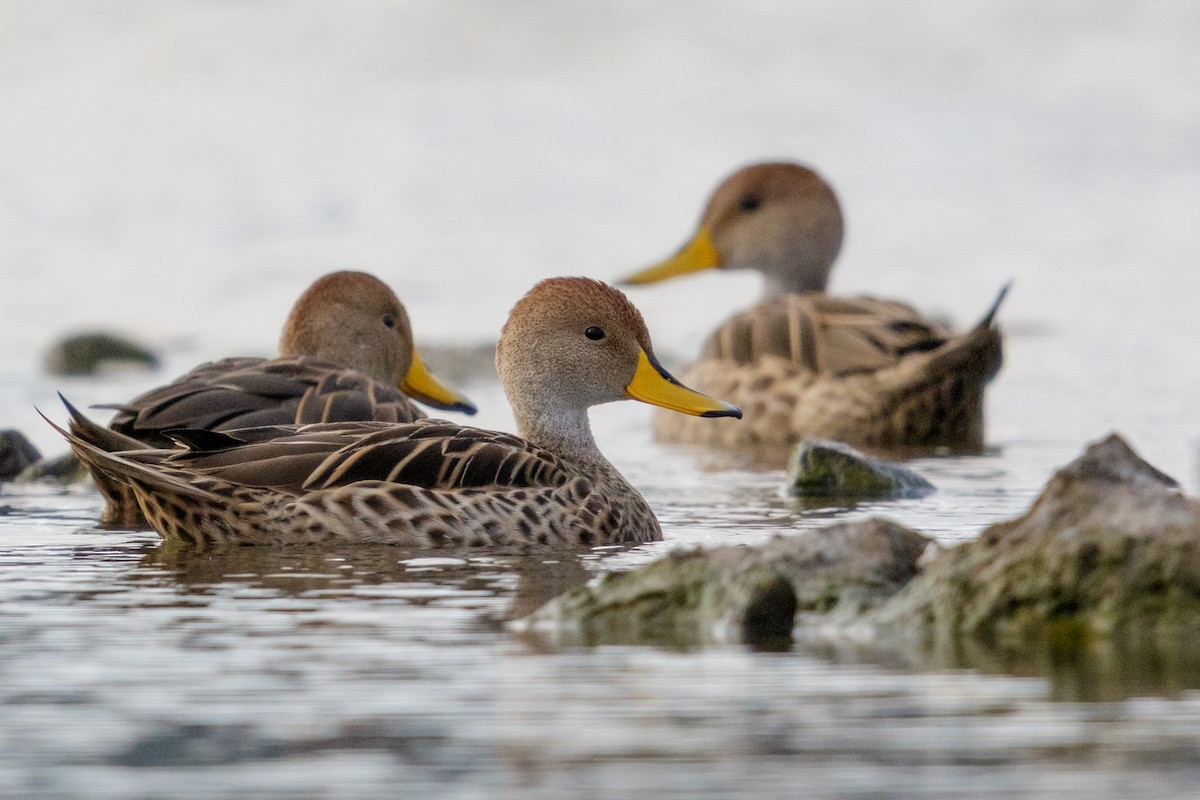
(594, 333)
(390, 321)
(749, 203)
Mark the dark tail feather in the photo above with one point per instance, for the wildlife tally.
(108, 440)
(127, 468)
(986, 322)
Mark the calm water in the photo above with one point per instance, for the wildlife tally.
(181, 170)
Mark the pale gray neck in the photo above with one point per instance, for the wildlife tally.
(794, 281)
(563, 431)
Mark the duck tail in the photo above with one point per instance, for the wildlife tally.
(104, 438)
(990, 316)
(137, 468)
(936, 399)
(175, 503)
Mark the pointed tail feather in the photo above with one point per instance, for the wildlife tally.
(127, 468)
(103, 438)
(986, 322)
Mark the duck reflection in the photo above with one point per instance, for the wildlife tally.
(526, 581)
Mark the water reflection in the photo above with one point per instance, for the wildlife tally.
(523, 580)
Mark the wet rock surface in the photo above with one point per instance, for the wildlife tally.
(63, 469)
(745, 594)
(821, 468)
(1104, 567)
(16, 453)
(1111, 547)
(90, 352)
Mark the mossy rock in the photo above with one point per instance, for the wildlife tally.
(1111, 548)
(16, 453)
(820, 468)
(88, 353)
(65, 469)
(738, 594)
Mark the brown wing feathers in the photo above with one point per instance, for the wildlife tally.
(247, 392)
(823, 334)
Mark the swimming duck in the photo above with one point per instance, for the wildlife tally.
(346, 353)
(569, 344)
(873, 373)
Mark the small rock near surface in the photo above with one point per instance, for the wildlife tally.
(824, 468)
(88, 353)
(65, 469)
(16, 453)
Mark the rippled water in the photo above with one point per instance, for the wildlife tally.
(181, 170)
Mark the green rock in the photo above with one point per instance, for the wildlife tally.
(65, 469)
(737, 594)
(827, 469)
(1111, 548)
(88, 353)
(16, 453)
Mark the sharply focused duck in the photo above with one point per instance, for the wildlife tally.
(569, 344)
(869, 372)
(346, 354)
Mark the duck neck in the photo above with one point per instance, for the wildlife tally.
(794, 281)
(563, 431)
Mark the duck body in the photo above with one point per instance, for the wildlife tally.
(346, 354)
(569, 344)
(870, 372)
(425, 484)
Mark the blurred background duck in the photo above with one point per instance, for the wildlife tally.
(346, 354)
(569, 344)
(873, 373)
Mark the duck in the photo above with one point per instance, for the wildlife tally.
(346, 353)
(873, 373)
(568, 344)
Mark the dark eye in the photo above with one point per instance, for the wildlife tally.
(390, 321)
(594, 333)
(749, 203)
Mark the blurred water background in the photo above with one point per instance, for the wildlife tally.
(179, 170)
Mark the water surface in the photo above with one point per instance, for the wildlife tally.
(182, 170)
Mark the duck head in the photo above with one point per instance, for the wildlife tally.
(779, 218)
(354, 320)
(572, 343)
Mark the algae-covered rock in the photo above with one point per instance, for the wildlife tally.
(824, 468)
(88, 353)
(737, 594)
(16, 453)
(1110, 548)
(64, 469)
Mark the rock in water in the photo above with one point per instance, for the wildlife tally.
(1110, 548)
(88, 353)
(16, 453)
(737, 594)
(824, 468)
(65, 469)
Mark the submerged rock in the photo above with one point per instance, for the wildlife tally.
(738, 594)
(1109, 548)
(88, 353)
(64, 469)
(824, 468)
(16, 453)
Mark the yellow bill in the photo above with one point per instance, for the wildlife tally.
(423, 387)
(654, 385)
(698, 254)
